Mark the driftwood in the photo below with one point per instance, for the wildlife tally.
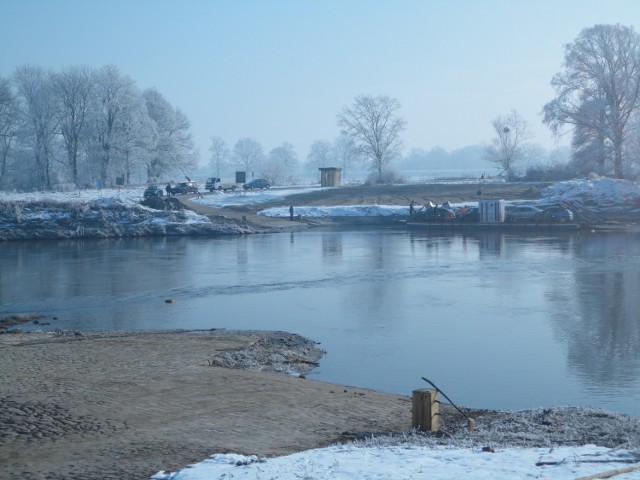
(607, 474)
(471, 423)
(611, 473)
(541, 464)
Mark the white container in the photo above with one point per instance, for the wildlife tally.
(491, 211)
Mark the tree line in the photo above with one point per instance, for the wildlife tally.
(81, 126)
(86, 127)
(370, 134)
(281, 165)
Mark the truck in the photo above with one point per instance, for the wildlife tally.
(214, 183)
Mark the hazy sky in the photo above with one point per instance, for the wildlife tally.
(281, 70)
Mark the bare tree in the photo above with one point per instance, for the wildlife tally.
(375, 127)
(39, 110)
(247, 154)
(507, 147)
(72, 88)
(591, 150)
(344, 152)
(219, 154)
(9, 121)
(282, 163)
(599, 89)
(320, 155)
(633, 145)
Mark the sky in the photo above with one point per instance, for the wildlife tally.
(281, 70)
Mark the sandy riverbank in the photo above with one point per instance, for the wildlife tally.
(128, 405)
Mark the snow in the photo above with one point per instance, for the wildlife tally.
(604, 193)
(339, 211)
(219, 199)
(407, 462)
(77, 196)
(227, 199)
(377, 460)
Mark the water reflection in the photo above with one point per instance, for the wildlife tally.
(603, 335)
(519, 320)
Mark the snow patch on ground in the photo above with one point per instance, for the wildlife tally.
(351, 461)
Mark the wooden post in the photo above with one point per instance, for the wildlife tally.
(425, 410)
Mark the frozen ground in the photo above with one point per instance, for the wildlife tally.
(598, 195)
(407, 462)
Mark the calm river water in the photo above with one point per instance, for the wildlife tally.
(495, 320)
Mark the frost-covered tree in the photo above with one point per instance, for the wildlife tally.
(633, 146)
(599, 89)
(219, 154)
(114, 96)
(281, 164)
(175, 147)
(374, 125)
(38, 109)
(344, 153)
(72, 88)
(247, 154)
(137, 143)
(9, 121)
(320, 155)
(86, 125)
(507, 147)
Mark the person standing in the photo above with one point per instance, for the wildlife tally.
(291, 212)
(168, 189)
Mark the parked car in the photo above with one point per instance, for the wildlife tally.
(184, 188)
(556, 213)
(522, 213)
(256, 183)
(153, 191)
(214, 183)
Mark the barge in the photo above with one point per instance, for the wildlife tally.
(496, 226)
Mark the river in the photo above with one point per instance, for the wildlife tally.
(497, 321)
